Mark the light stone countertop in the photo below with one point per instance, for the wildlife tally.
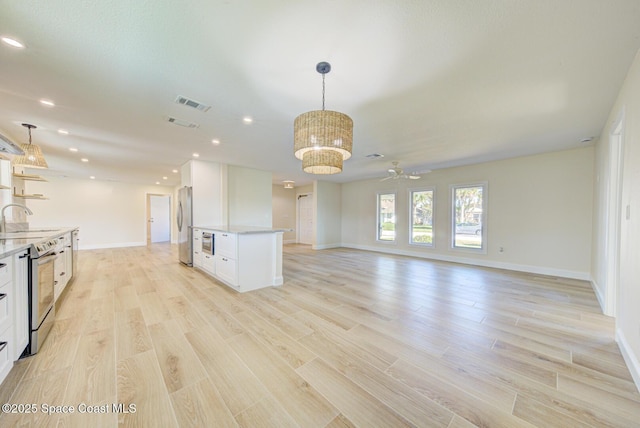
(242, 229)
(16, 241)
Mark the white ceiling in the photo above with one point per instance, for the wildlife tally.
(429, 83)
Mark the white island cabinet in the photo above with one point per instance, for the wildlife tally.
(246, 258)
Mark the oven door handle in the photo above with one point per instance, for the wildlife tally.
(46, 259)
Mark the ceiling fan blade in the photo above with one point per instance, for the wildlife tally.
(386, 178)
(414, 177)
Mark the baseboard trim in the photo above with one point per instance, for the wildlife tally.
(629, 357)
(599, 295)
(325, 246)
(114, 245)
(540, 270)
(289, 241)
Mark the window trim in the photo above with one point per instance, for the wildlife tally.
(433, 216)
(395, 211)
(452, 216)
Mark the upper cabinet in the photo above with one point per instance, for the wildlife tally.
(208, 182)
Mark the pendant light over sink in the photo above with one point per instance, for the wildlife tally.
(322, 139)
(32, 157)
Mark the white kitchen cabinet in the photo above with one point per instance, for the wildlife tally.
(246, 258)
(68, 257)
(62, 266)
(6, 317)
(6, 353)
(207, 180)
(20, 303)
(197, 248)
(6, 293)
(209, 263)
(227, 270)
(226, 244)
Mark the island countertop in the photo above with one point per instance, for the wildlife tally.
(242, 229)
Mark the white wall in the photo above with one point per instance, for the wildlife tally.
(628, 300)
(250, 201)
(327, 206)
(284, 211)
(109, 213)
(539, 212)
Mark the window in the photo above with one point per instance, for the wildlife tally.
(422, 217)
(469, 202)
(386, 217)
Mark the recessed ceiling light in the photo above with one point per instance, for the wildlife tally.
(84, 160)
(73, 149)
(586, 140)
(157, 182)
(248, 120)
(12, 42)
(47, 103)
(215, 141)
(196, 155)
(374, 156)
(175, 171)
(93, 177)
(63, 132)
(165, 178)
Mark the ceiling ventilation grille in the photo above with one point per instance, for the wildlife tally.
(181, 122)
(192, 103)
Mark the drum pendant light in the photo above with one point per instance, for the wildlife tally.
(322, 139)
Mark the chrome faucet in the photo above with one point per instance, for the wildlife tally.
(3, 221)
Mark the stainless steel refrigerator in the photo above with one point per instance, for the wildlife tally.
(184, 217)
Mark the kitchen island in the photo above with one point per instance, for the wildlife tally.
(244, 258)
(35, 266)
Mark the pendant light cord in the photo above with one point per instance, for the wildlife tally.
(323, 92)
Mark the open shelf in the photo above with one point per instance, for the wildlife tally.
(4, 187)
(29, 196)
(29, 177)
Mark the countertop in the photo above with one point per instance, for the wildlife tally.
(242, 229)
(13, 242)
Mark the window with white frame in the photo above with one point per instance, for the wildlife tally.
(469, 216)
(386, 217)
(422, 209)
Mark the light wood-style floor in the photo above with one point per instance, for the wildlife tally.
(352, 339)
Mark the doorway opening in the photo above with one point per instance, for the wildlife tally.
(158, 218)
(613, 218)
(305, 218)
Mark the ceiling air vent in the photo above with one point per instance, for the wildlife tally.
(181, 122)
(192, 103)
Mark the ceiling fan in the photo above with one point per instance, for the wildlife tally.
(396, 173)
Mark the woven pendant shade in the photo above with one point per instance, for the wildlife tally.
(323, 129)
(322, 162)
(32, 157)
(323, 139)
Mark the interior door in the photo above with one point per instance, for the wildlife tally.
(159, 218)
(305, 219)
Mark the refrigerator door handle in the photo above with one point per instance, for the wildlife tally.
(179, 216)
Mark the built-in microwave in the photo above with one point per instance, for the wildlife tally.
(208, 243)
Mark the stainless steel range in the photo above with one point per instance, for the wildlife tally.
(41, 295)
